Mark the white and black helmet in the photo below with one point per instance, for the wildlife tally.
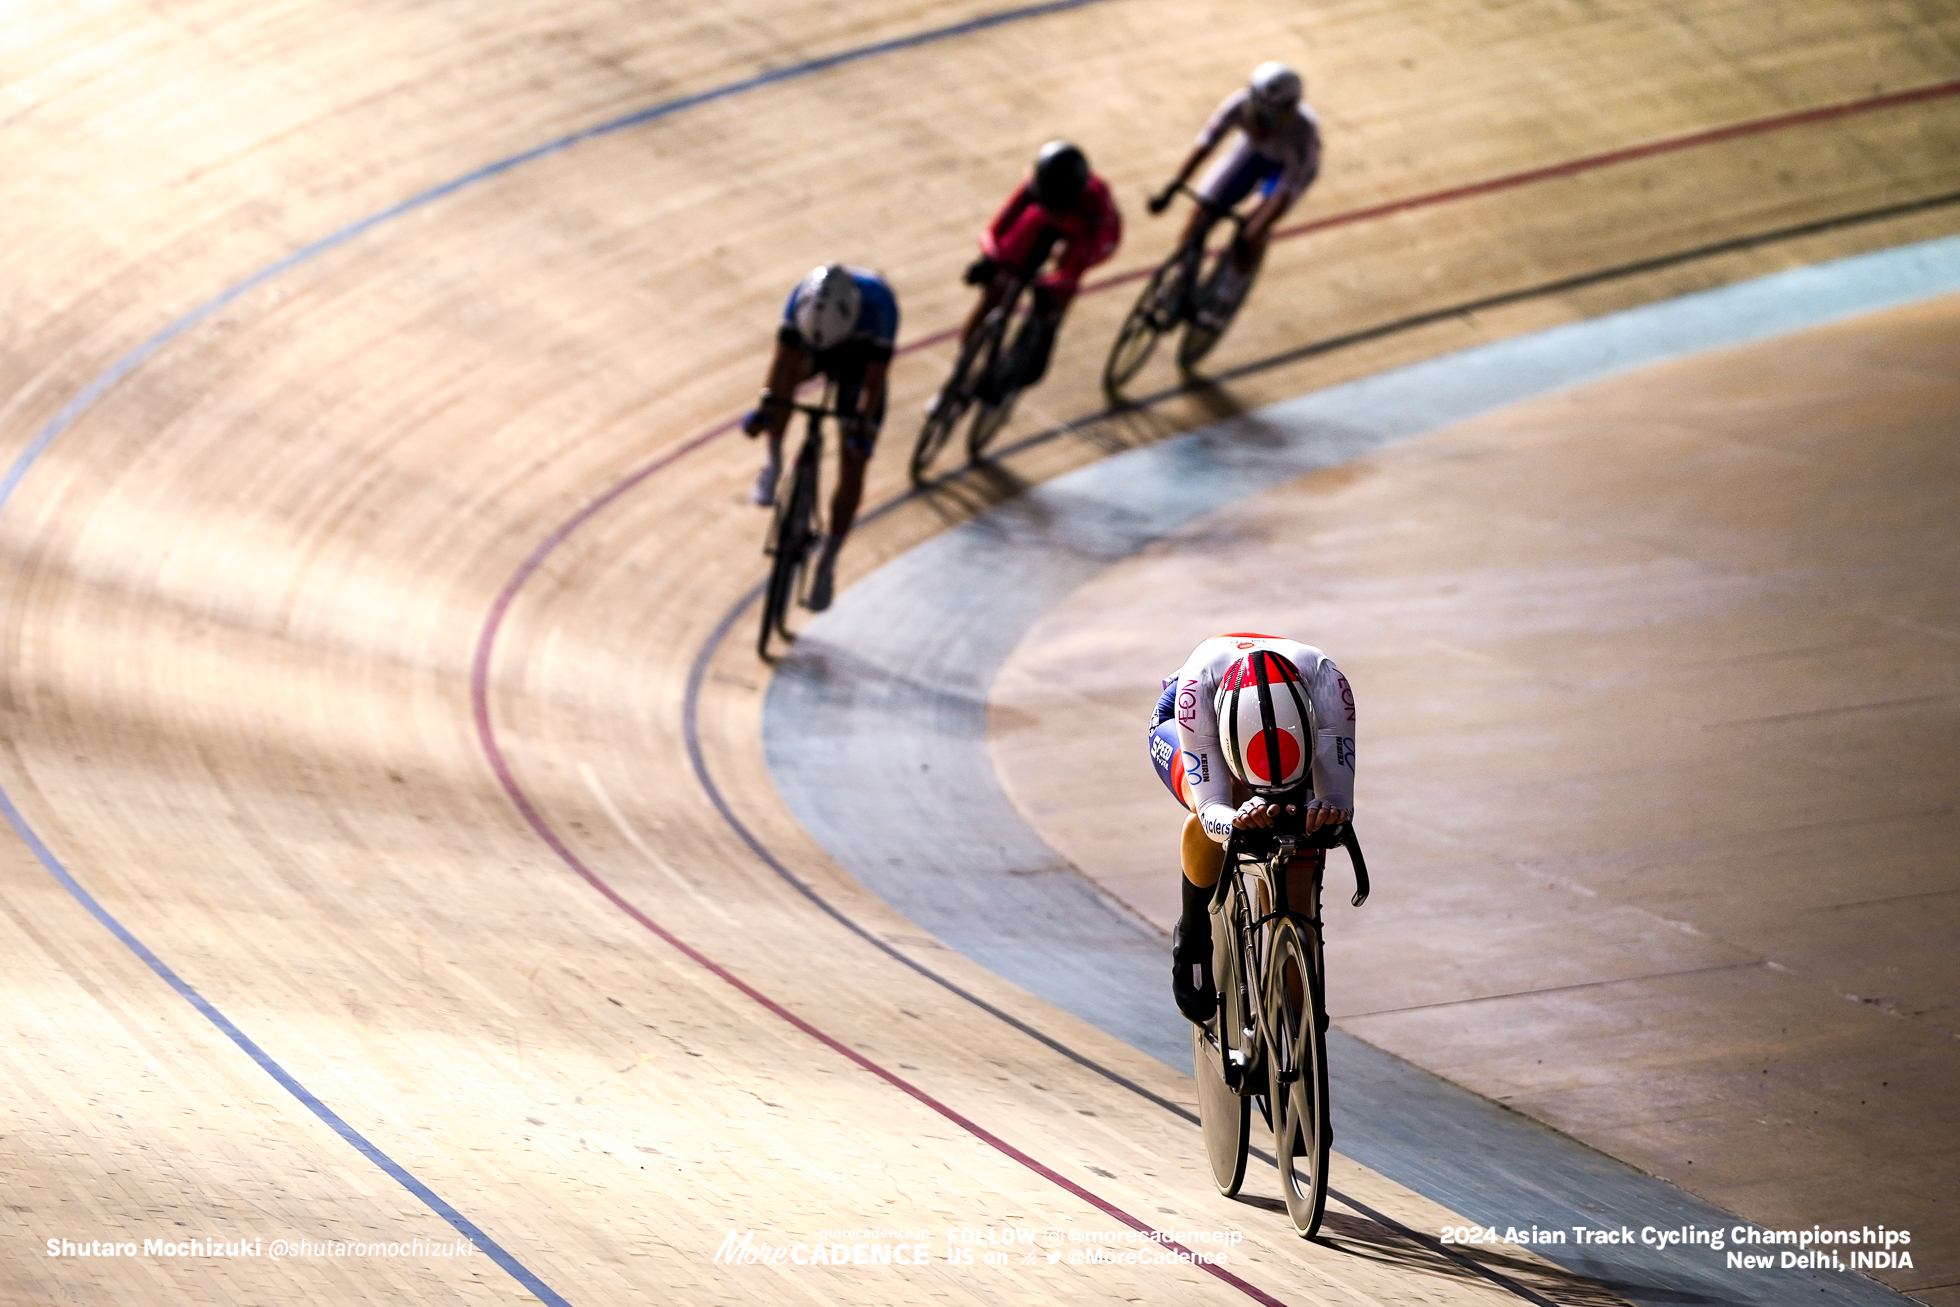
(827, 306)
(1265, 723)
(1275, 86)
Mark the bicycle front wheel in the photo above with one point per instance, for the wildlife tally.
(970, 369)
(947, 409)
(1150, 317)
(1297, 1073)
(791, 538)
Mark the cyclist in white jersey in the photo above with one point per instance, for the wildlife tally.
(1277, 151)
(1252, 726)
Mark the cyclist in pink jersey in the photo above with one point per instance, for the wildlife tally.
(1251, 727)
(1061, 204)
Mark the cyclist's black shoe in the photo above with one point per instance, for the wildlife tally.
(824, 581)
(1191, 982)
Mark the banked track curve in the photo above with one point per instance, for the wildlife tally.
(486, 644)
(135, 359)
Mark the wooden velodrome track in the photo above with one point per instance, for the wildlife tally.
(261, 542)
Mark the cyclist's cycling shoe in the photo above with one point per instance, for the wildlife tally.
(1191, 982)
(823, 583)
(763, 494)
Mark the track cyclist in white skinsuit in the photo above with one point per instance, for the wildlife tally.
(1277, 152)
(1250, 728)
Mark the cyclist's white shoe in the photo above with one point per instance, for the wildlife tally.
(825, 580)
(764, 493)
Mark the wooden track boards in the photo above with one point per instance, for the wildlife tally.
(250, 578)
(1660, 788)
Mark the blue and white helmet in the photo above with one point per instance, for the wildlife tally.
(827, 306)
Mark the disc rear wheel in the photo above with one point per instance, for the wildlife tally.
(1224, 1113)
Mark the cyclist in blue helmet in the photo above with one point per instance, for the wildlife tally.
(840, 322)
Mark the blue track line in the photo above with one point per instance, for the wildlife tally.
(86, 398)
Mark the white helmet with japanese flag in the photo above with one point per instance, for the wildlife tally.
(1265, 723)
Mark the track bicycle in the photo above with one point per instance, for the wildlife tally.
(1192, 288)
(1269, 1034)
(795, 529)
(987, 376)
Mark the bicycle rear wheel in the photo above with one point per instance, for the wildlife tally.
(988, 419)
(1224, 1114)
(1213, 315)
(1297, 1073)
(970, 369)
(1150, 317)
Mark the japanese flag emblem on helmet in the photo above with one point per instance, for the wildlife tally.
(1265, 725)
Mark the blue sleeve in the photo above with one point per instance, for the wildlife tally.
(877, 311)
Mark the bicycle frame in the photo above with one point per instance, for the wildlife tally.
(796, 525)
(1191, 252)
(1170, 298)
(1253, 887)
(976, 363)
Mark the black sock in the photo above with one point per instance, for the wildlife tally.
(1197, 908)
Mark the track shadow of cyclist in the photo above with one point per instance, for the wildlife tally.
(1360, 1236)
(1131, 423)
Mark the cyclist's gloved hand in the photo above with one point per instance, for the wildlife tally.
(980, 271)
(1255, 814)
(753, 422)
(1161, 200)
(1322, 813)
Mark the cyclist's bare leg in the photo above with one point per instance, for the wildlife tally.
(985, 305)
(844, 500)
(1198, 225)
(1196, 229)
(1250, 251)
(1202, 857)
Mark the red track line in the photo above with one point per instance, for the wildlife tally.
(493, 624)
(487, 737)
